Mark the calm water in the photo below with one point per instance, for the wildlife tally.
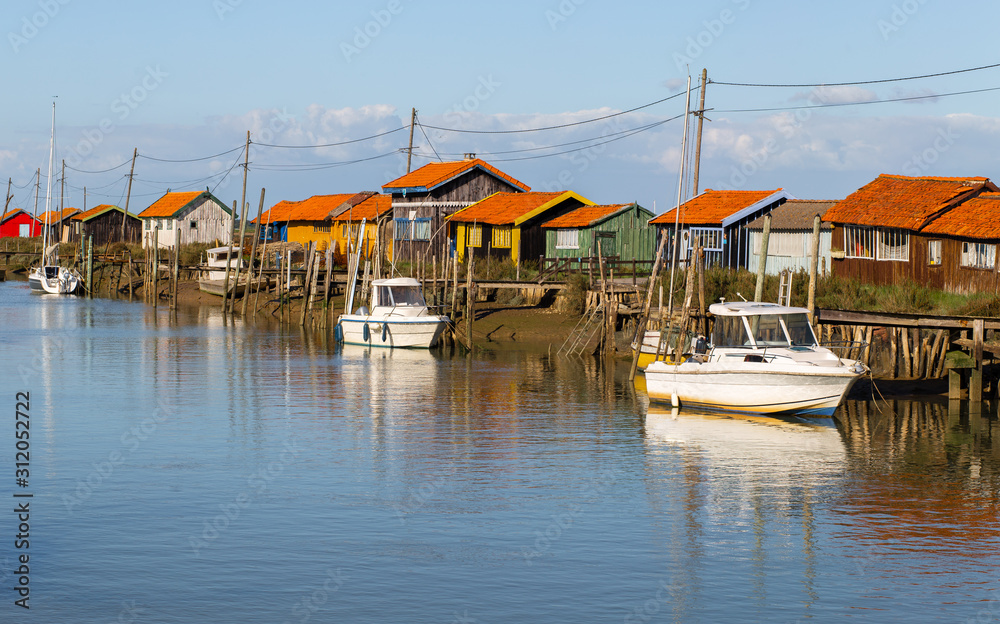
(183, 470)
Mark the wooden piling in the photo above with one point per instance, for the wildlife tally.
(305, 283)
(470, 305)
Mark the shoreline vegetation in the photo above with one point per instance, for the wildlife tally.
(512, 318)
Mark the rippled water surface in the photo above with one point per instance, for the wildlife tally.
(185, 470)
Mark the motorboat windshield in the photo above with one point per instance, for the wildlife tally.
(763, 330)
(397, 296)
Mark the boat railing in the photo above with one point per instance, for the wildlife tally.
(844, 346)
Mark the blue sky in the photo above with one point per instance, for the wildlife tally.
(185, 81)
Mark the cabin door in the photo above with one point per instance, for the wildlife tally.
(24, 230)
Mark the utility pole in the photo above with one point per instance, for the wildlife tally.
(128, 193)
(701, 119)
(243, 225)
(409, 151)
(38, 187)
(7, 203)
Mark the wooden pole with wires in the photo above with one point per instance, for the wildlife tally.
(128, 192)
(701, 120)
(409, 150)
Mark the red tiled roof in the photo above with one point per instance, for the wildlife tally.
(54, 216)
(170, 204)
(434, 174)
(586, 216)
(902, 201)
(370, 208)
(975, 218)
(512, 208)
(95, 211)
(712, 207)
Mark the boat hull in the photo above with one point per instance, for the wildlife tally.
(65, 281)
(417, 332)
(773, 391)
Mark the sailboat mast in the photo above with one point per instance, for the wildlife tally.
(48, 184)
(675, 252)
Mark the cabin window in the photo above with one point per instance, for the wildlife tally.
(567, 239)
(149, 223)
(934, 252)
(194, 224)
(409, 229)
(978, 255)
(474, 236)
(321, 228)
(170, 224)
(728, 331)
(711, 238)
(501, 237)
(859, 242)
(893, 245)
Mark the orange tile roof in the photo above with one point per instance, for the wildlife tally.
(54, 216)
(904, 202)
(975, 218)
(586, 216)
(278, 212)
(712, 207)
(315, 208)
(170, 204)
(512, 208)
(11, 213)
(95, 211)
(370, 208)
(435, 174)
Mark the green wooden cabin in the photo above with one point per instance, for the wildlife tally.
(622, 229)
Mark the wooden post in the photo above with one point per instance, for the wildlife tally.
(328, 287)
(454, 284)
(813, 269)
(976, 374)
(893, 340)
(176, 272)
(253, 255)
(758, 292)
(90, 267)
(305, 283)
(155, 272)
(229, 254)
(640, 330)
(905, 347)
(470, 302)
(129, 276)
(702, 304)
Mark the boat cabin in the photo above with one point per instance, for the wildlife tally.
(761, 325)
(399, 296)
(218, 257)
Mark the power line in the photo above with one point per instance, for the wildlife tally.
(317, 166)
(367, 138)
(102, 170)
(902, 99)
(187, 160)
(857, 82)
(566, 125)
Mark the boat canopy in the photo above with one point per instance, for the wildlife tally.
(752, 308)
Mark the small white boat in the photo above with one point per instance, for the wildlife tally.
(217, 259)
(54, 279)
(762, 358)
(398, 317)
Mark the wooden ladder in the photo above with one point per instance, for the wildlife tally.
(584, 332)
(785, 288)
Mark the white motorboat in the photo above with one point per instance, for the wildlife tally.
(216, 260)
(762, 358)
(398, 317)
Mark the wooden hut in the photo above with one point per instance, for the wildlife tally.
(623, 231)
(882, 235)
(199, 216)
(376, 212)
(58, 221)
(718, 218)
(104, 224)
(790, 240)
(509, 225)
(18, 223)
(424, 198)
